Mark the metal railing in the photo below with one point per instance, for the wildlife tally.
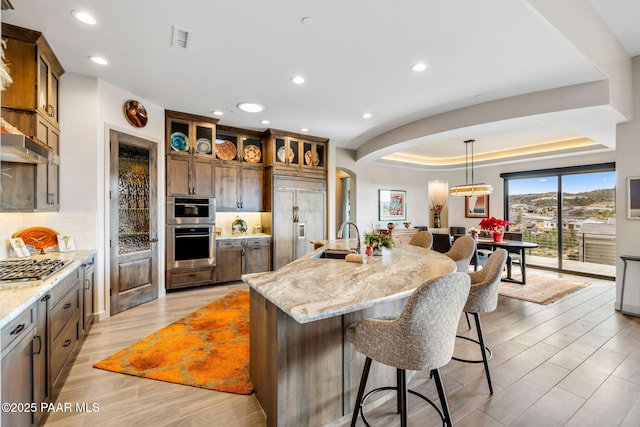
(597, 248)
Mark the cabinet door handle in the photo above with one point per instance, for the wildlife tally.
(67, 343)
(46, 298)
(51, 110)
(88, 284)
(67, 305)
(18, 329)
(39, 338)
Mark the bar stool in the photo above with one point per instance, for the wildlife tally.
(422, 337)
(483, 298)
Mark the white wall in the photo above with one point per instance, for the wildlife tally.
(628, 231)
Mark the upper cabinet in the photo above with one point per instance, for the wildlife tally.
(298, 155)
(239, 169)
(190, 154)
(35, 71)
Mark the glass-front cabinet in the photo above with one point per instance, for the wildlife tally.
(299, 155)
(187, 137)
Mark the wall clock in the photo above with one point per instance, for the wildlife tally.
(135, 113)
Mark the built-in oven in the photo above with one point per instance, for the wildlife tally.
(191, 245)
(189, 210)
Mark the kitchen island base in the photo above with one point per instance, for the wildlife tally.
(308, 374)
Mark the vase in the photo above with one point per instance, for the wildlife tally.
(377, 252)
(497, 236)
(368, 251)
(436, 220)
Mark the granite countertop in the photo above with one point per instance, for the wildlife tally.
(244, 236)
(312, 288)
(14, 299)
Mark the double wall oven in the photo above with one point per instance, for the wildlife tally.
(191, 226)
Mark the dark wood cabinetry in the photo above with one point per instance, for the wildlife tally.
(31, 102)
(242, 256)
(257, 256)
(190, 154)
(295, 154)
(239, 170)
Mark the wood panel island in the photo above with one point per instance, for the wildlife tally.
(303, 369)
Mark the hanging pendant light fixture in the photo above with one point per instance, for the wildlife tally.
(472, 189)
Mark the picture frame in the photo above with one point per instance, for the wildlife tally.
(392, 205)
(476, 206)
(19, 248)
(633, 197)
(66, 243)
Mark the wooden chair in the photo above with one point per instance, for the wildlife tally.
(514, 254)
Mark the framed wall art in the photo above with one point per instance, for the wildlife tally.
(392, 205)
(633, 197)
(476, 206)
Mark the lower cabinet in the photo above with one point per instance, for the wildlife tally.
(236, 257)
(188, 277)
(257, 256)
(38, 346)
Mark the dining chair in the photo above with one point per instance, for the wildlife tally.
(483, 298)
(423, 239)
(514, 254)
(441, 242)
(461, 252)
(421, 338)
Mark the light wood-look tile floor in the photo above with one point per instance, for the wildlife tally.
(575, 362)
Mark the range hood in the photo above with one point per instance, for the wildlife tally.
(22, 149)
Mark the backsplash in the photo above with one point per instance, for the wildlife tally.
(225, 219)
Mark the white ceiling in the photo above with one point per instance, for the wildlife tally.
(356, 57)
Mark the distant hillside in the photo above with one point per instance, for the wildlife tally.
(604, 198)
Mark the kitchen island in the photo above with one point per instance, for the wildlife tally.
(304, 371)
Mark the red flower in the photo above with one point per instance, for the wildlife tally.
(493, 223)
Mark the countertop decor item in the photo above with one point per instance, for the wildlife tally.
(238, 226)
(41, 238)
(376, 240)
(406, 224)
(135, 113)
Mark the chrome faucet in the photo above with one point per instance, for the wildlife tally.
(339, 236)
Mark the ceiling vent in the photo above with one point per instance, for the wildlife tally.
(181, 37)
(6, 4)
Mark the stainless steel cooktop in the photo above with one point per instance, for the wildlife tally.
(28, 270)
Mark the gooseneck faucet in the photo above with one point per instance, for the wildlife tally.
(339, 236)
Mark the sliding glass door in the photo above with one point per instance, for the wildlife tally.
(569, 213)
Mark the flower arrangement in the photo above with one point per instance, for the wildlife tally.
(378, 239)
(495, 226)
(473, 232)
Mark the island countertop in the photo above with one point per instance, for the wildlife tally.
(312, 288)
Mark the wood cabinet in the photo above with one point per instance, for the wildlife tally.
(229, 259)
(17, 368)
(190, 154)
(88, 275)
(239, 170)
(189, 277)
(298, 155)
(299, 208)
(257, 256)
(401, 236)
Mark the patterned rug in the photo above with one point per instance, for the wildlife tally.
(207, 349)
(541, 289)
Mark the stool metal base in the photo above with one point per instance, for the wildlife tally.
(415, 393)
(487, 354)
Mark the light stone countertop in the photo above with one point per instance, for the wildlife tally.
(311, 288)
(243, 236)
(15, 298)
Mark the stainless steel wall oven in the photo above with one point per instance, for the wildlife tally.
(191, 245)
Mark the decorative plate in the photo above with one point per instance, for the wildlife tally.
(135, 113)
(225, 150)
(39, 237)
(179, 141)
(280, 154)
(252, 154)
(238, 226)
(203, 146)
(311, 158)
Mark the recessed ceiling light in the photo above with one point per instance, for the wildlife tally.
(98, 59)
(217, 113)
(420, 66)
(265, 122)
(250, 107)
(304, 130)
(307, 20)
(297, 80)
(83, 17)
(367, 115)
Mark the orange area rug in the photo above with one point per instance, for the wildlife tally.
(207, 349)
(541, 289)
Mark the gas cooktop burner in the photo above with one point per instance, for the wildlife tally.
(23, 270)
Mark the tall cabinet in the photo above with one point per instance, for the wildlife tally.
(30, 103)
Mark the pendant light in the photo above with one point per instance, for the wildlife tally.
(472, 189)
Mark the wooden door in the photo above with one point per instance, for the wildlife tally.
(252, 189)
(283, 227)
(227, 185)
(203, 175)
(133, 221)
(311, 212)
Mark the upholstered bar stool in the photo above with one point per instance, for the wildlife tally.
(461, 252)
(423, 239)
(483, 298)
(422, 337)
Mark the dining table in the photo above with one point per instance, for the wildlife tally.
(510, 245)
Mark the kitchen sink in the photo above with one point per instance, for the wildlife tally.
(334, 253)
